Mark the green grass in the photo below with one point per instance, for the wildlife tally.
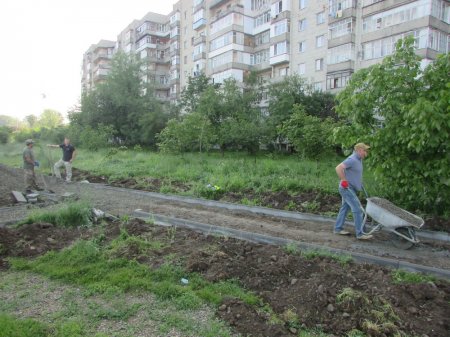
(11, 326)
(402, 276)
(233, 172)
(74, 312)
(72, 214)
(102, 270)
(292, 249)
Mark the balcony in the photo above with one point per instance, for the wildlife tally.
(174, 81)
(216, 3)
(199, 23)
(99, 56)
(199, 6)
(174, 51)
(235, 9)
(200, 56)
(200, 39)
(283, 58)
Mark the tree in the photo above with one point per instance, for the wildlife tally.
(32, 121)
(295, 90)
(310, 135)
(125, 102)
(404, 113)
(190, 95)
(49, 119)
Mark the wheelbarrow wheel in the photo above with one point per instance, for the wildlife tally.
(400, 242)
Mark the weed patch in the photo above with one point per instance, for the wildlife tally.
(73, 214)
(342, 259)
(402, 276)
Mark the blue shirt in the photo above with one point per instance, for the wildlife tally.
(354, 171)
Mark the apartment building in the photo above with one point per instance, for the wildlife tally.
(96, 63)
(324, 41)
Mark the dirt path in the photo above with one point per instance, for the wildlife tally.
(124, 202)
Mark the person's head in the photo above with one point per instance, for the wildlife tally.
(362, 150)
(29, 143)
(66, 141)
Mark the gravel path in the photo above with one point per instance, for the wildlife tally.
(120, 202)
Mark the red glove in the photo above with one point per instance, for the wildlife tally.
(344, 183)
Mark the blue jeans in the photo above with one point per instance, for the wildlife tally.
(350, 201)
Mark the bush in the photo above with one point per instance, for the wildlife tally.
(310, 135)
(91, 138)
(5, 133)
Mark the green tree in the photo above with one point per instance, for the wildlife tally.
(404, 113)
(311, 136)
(293, 90)
(5, 133)
(190, 95)
(192, 133)
(50, 119)
(31, 120)
(125, 102)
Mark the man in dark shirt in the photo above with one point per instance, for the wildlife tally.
(69, 154)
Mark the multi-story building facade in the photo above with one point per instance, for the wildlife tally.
(96, 63)
(324, 41)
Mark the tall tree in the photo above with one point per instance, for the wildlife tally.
(50, 119)
(32, 120)
(404, 113)
(125, 102)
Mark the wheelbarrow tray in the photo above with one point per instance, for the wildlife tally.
(391, 216)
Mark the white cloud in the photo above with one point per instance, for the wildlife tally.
(43, 42)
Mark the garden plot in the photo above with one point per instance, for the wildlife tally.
(256, 289)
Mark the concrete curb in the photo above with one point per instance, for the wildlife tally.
(265, 211)
(260, 238)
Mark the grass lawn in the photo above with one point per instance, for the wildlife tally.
(233, 172)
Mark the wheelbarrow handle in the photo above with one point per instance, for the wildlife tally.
(365, 192)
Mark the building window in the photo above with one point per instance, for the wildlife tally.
(260, 57)
(185, 59)
(283, 71)
(302, 4)
(320, 18)
(340, 28)
(302, 46)
(259, 4)
(262, 38)
(318, 86)
(302, 25)
(302, 69)
(277, 8)
(319, 64)
(338, 80)
(320, 41)
(185, 44)
(280, 28)
(262, 19)
(280, 48)
(410, 11)
(342, 53)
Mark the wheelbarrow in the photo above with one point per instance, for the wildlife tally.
(399, 223)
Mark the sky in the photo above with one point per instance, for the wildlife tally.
(43, 42)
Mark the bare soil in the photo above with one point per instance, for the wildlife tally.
(303, 293)
(124, 202)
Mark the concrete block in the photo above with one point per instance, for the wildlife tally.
(18, 196)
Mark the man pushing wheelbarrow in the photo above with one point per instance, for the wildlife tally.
(385, 215)
(350, 173)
